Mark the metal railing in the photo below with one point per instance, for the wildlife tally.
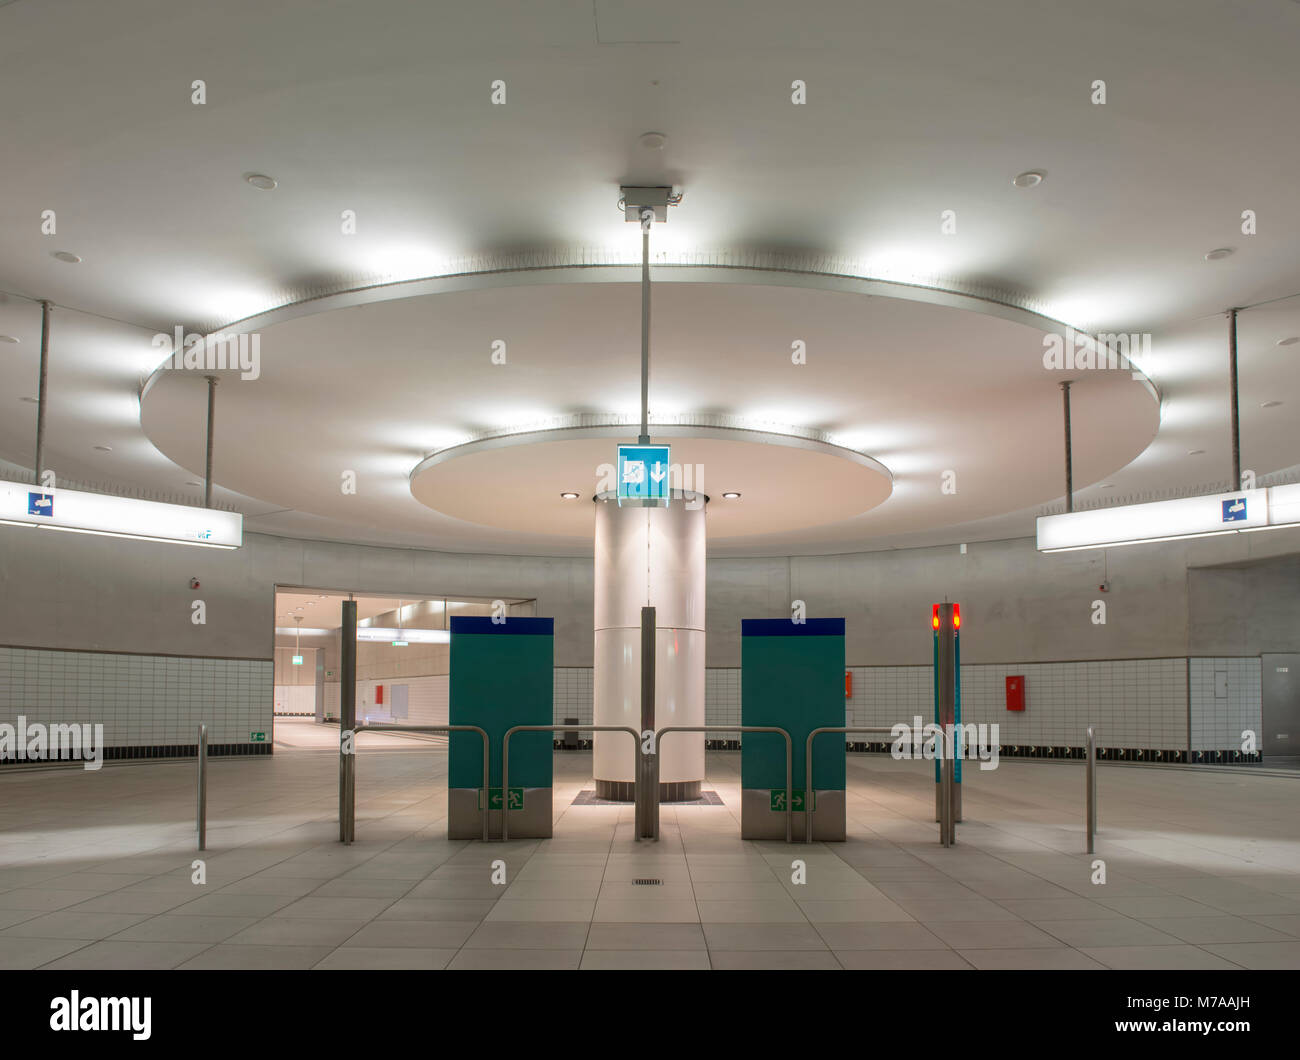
(348, 826)
(202, 822)
(505, 763)
(1091, 789)
(789, 767)
(946, 743)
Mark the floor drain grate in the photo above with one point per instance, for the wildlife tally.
(647, 882)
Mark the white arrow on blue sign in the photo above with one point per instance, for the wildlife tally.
(643, 473)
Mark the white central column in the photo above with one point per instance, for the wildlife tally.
(649, 557)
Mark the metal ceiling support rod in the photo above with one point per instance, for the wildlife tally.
(647, 219)
(1232, 387)
(41, 389)
(207, 466)
(1069, 450)
(646, 206)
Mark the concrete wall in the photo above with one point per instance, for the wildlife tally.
(101, 594)
(105, 594)
(1245, 610)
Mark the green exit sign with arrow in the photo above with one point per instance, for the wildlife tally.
(796, 799)
(257, 737)
(494, 798)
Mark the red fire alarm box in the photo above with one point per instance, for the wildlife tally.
(379, 695)
(1016, 692)
(848, 684)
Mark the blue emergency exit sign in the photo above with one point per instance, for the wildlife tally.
(643, 475)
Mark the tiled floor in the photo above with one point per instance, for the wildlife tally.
(1202, 871)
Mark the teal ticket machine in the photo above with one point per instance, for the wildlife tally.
(501, 676)
(792, 676)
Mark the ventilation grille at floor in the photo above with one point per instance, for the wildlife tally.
(647, 882)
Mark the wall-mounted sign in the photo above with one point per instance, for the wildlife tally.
(643, 475)
(297, 660)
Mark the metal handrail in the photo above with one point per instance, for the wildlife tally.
(789, 766)
(487, 765)
(505, 761)
(203, 787)
(947, 829)
(1090, 789)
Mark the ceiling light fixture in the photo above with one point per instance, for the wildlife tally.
(1220, 253)
(10, 338)
(1195, 452)
(731, 496)
(66, 255)
(1176, 520)
(34, 401)
(1270, 404)
(1290, 340)
(105, 515)
(653, 140)
(262, 182)
(102, 448)
(568, 495)
(1031, 178)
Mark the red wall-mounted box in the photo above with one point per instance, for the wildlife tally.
(1016, 692)
(379, 695)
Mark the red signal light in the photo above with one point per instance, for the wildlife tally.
(934, 620)
(956, 616)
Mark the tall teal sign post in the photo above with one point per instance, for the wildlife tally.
(792, 676)
(501, 676)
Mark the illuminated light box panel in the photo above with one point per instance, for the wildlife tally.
(1135, 524)
(98, 513)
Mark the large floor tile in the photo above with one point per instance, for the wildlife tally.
(115, 954)
(802, 936)
(901, 960)
(368, 958)
(252, 957)
(168, 928)
(529, 935)
(1159, 957)
(645, 960)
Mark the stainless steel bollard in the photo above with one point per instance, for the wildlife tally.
(1091, 794)
(203, 787)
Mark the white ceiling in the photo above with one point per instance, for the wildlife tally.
(384, 109)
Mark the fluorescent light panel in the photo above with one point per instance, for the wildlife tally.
(73, 511)
(1176, 520)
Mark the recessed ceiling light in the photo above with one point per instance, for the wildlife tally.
(10, 338)
(1030, 178)
(193, 483)
(34, 401)
(1106, 486)
(1219, 254)
(653, 140)
(1270, 404)
(65, 255)
(1290, 340)
(569, 496)
(103, 448)
(731, 496)
(1195, 452)
(261, 181)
